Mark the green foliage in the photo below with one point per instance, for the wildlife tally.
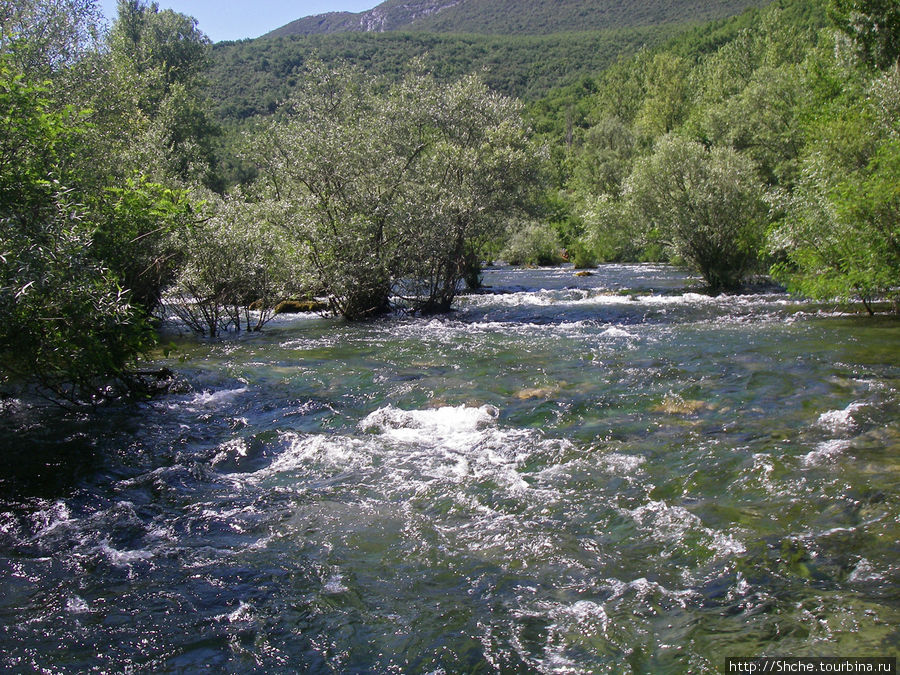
(605, 157)
(136, 235)
(707, 204)
(391, 186)
(840, 232)
(583, 256)
(533, 244)
(236, 258)
(666, 94)
(611, 232)
(506, 17)
(254, 77)
(44, 37)
(771, 90)
(159, 59)
(874, 27)
(66, 323)
(88, 242)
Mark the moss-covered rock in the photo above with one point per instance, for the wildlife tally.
(300, 306)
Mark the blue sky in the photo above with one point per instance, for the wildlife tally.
(236, 20)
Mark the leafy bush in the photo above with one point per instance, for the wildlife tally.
(706, 204)
(534, 244)
(67, 324)
(234, 259)
(391, 187)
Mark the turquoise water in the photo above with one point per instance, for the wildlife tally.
(567, 475)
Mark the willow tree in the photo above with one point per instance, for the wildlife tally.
(390, 186)
(65, 322)
(704, 203)
(85, 235)
(839, 234)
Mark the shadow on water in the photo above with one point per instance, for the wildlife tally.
(49, 451)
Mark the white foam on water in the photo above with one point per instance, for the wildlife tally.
(9, 406)
(438, 426)
(417, 454)
(122, 558)
(683, 299)
(584, 614)
(207, 399)
(204, 400)
(244, 612)
(581, 297)
(234, 447)
(761, 475)
(51, 517)
(668, 523)
(865, 571)
(645, 589)
(453, 444)
(585, 619)
(672, 524)
(839, 420)
(616, 332)
(311, 453)
(77, 605)
(826, 451)
(619, 464)
(334, 584)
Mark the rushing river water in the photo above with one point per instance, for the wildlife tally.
(571, 475)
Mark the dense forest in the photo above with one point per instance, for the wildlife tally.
(768, 144)
(520, 51)
(252, 77)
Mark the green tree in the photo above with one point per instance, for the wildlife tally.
(533, 244)
(238, 258)
(839, 237)
(337, 164)
(705, 203)
(391, 187)
(158, 61)
(43, 37)
(667, 98)
(137, 235)
(86, 247)
(478, 171)
(605, 157)
(66, 322)
(874, 27)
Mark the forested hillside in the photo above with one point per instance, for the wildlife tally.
(514, 17)
(541, 46)
(251, 78)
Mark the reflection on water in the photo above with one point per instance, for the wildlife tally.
(566, 475)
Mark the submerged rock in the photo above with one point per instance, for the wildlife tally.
(538, 392)
(676, 405)
(300, 306)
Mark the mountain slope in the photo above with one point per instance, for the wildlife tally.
(251, 78)
(388, 16)
(515, 17)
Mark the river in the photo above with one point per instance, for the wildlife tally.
(610, 473)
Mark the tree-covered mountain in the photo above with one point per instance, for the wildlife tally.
(253, 77)
(514, 17)
(522, 49)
